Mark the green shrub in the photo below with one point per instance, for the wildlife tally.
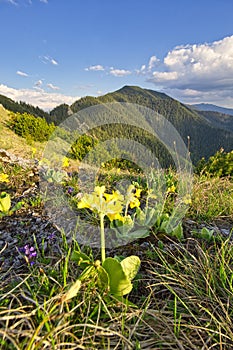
(220, 164)
(82, 146)
(30, 127)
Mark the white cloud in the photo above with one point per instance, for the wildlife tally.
(54, 62)
(146, 69)
(12, 2)
(111, 70)
(40, 98)
(207, 66)
(165, 76)
(44, 1)
(38, 83)
(220, 98)
(53, 87)
(98, 67)
(199, 72)
(119, 72)
(152, 62)
(22, 74)
(48, 59)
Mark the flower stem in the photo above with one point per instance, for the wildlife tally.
(102, 237)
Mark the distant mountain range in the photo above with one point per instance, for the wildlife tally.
(208, 130)
(211, 107)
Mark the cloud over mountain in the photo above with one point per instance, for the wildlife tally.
(203, 72)
(39, 98)
(207, 66)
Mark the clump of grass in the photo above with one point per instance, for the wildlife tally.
(192, 288)
(212, 198)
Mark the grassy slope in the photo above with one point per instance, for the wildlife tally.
(14, 143)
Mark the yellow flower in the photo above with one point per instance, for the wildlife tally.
(187, 199)
(116, 216)
(99, 190)
(96, 201)
(132, 196)
(171, 189)
(138, 193)
(84, 202)
(4, 178)
(65, 162)
(114, 196)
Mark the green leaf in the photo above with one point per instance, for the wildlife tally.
(17, 206)
(178, 232)
(119, 283)
(140, 233)
(103, 278)
(82, 259)
(130, 266)
(122, 229)
(147, 217)
(5, 202)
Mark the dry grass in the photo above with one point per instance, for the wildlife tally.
(212, 198)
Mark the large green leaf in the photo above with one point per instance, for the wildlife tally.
(103, 278)
(119, 283)
(5, 202)
(131, 266)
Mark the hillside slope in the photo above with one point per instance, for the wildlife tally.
(206, 137)
(14, 143)
(218, 120)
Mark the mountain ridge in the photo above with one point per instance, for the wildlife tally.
(211, 108)
(207, 134)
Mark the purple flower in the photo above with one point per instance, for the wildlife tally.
(70, 190)
(51, 236)
(29, 252)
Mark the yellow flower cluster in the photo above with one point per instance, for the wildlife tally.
(4, 178)
(112, 204)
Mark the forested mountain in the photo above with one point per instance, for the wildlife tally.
(22, 107)
(208, 131)
(219, 120)
(206, 136)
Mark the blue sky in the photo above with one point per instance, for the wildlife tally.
(55, 51)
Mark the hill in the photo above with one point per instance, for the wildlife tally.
(14, 143)
(206, 136)
(218, 120)
(22, 107)
(208, 131)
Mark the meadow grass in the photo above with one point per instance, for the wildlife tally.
(182, 296)
(212, 198)
(183, 299)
